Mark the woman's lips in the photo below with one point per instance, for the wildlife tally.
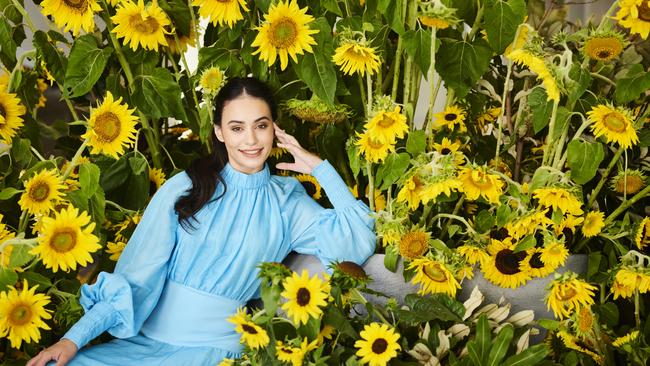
(252, 153)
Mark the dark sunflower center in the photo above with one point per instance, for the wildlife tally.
(379, 346)
(435, 273)
(283, 33)
(615, 122)
(3, 112)
(568, 235)
(507, 261)
(644, 11)
(566, 294)
(20, 315)
(79, 5)
(536, 261)
(500, 234)
(604, 53)
(353, 270)
(287, 350)
(386, 122)
(451, 117)
(445, 151)
(63, 240)
(107, 127)
(249, 329)
(39, 191)
(303, 296)
(144, 26)
(310, 187)
(413, 244)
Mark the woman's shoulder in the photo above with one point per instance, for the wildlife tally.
(177, 184)
(286, 184)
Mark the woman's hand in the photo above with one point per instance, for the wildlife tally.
(304, 162)
(61, 352)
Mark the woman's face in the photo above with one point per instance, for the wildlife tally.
(247, 131)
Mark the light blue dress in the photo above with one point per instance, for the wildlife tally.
(172, 290)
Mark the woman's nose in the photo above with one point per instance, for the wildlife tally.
(251, 137)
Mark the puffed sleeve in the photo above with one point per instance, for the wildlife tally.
(344, 233)
(121, 301)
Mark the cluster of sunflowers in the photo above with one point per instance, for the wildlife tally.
(540, 150)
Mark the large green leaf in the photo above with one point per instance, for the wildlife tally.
(528, 357)
(500, 345)
(392, 10)
(7, 45)
(333, 6)
(151, 89)
(223, 58)
(436, 306)
(418, 45)
(416, 142)
(7, 278)
(577, 83)
(89, 179)
(479, 347)
(316, 69)
(540, 107)
(501, 21)
(85, 65)
(583, 159)
(179, 13)
(635, 82)
(463, 63)
(55, 61)
(392, 169)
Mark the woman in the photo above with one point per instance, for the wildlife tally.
(191, 261)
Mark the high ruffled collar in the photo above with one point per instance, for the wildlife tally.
(235, 178)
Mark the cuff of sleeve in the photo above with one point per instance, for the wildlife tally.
(97, 319)
(337, 191)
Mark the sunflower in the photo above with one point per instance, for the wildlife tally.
(534, 264)
(184, 41)
(473, 254)
(504, 266)
(378, 344)
(434, 22)
(380, 200)
(433, 277)
(626, 339)
(414, 243)
(226, 362)
(278, 152)
(140, 25)
(539, 67)
(221, 12)
(446, 147)
(72, 14)
(528, 224)
(289, 354)
(125, 228)
(583, 321)
(559, 199)
(326, 332)
(411, 192)
(567, 294)
(115, 249)
(42, 191)
(434, 189)
(252, 334)
(10, 111)
(628, 182)
(111, 125)
(388, 125)
(567, 225)
(593, 224)
(635, 278)
(571, 342)
(622, 286)
(642, 236)
(614, 123)
(311, 185)
(603, 48)
(304, 297)
(477, 182)
(374, 149)
(63, 241)
(22, 313)
(554, 253)
(157, 177)
(489, 116)
(356, 57)
(316, 111)
(635, 15)
(212, 79)
(285, 32)
(452, 115)
(5, 234)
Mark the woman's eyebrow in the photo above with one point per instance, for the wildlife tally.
(257, 120)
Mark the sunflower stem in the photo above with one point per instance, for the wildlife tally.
(459, 204)
(25, 15)
(506, 84)
(408, 66)
(38, 155)
(149, 134)
(24, 220)
(398, 59)
(431, 76)
(603, 178)
(369, 88)
(455, 217)
(69, 104)
(74, 160)
(18, 241)
(603, 20)
(195, 25)
(549, 138)
(637, 307)
(187, 71)
(363, 95)
(624, 205)
(120, 208)
(603, 78)
(19, 64)
(477, 22)
(371, 187)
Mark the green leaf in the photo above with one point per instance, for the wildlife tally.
(224, 58)
(593, 264)
(7, 278)
(8, 192)
(114, 173)
(317, 69)
(392, 10)
(270, 296)
(392, 169)
(540, 107)
(539, 180)
(635, 82)
(20, 256)
(436, 306)
(138, 164)
(501, 21)
(151, 89)
(578, 82)
(55, 61)
(480, 346)
(484, 221)
(417, 44)
(526, 243)
(549, 324)
(86, 64)
(7, 45)
(503, 214)
(500, 345)
(583, 159)
(179, 11)
(608, 313)
(528, 357)
(89, 178)
(463, 63)
(390, 260)
(353, 157)
(20, 150)
(34, 278)
(98, 206)
(416, 142)
(333, 6)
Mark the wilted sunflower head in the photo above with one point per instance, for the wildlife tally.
(273, 272)
(436, 14)
(414, 243)
(628, 182)
(317, 111)
(349, 275)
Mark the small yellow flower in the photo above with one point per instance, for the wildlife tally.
(221, 12)
(141, 25)
(613, 123)
(568, 294)
(626, 339)
(42, 192)
(593, 224)
(22, 313)
(305, 297)
(451, 117)
(115, 249)
(477, 182)
(388, 125)
(539, 67)
(252, 334)
(373, 148)
(378, 344)
(433, 277)
(353, 57)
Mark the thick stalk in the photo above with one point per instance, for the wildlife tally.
(25, 15)
(624, 205)
(194, 25)
(371, 187)
(74, 160)
(369, 87)
(637, 309)
(18, 66)
(549, 138)
(408, 66)
(603, 178)
(430, 77)
(506, 84)
(477, 22)
(398, 58)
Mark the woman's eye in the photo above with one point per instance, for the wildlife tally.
(263, 126)
(236, 129)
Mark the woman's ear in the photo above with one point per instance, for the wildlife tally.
(217, 132)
